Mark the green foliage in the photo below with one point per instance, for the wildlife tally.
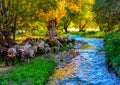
(33, 73)
(46, 5)
(66, 20)
(85, 15)
(112, 48)
(65, 47)
(107, 14)
(40, 32)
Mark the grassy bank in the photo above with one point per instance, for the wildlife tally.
(112, 48)
(35, 72)
(89, 34)
(93, 34)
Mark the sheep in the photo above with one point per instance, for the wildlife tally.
(47, 50)
(22, 51)
(22, 55)
(30, 53)
(40, 44)
(56, 49)
(69, 46)
(11, 55)
(12, 51)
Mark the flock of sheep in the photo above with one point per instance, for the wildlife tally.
(31, 47)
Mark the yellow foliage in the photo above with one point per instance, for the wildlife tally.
(91, 1)
(60, 12)
(23, 1)
(54, 13)
(74, 4)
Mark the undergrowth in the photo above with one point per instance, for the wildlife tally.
(112, 49)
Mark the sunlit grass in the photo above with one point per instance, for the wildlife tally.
(87, 34)
(93, 34)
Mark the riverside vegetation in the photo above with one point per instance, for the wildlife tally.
(36, 71)
(112, 49)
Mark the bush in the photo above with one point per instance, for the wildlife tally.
(112, 48)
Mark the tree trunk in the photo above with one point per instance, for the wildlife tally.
(30, 32)
(82, 27)
(6, 40)
(8, 14)
(52, 28)
(14, 29)
(65, 28)
(101, 27)
(110, 26)
(2, 41)
(66, 25)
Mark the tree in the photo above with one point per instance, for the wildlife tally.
(8, 17)
(67, 19)
(85, 16)
(72, 10)
(47, 11)
(107, 14)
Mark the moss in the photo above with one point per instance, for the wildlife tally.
(86, 46)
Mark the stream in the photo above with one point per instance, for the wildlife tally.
(88, 68)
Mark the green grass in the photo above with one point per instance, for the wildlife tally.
(92, 34)
(35, 72)
(112, 48)
(64, 35)
(89, 34)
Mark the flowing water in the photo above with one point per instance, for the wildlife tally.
(88, 68)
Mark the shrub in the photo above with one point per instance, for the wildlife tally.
(112, 48)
